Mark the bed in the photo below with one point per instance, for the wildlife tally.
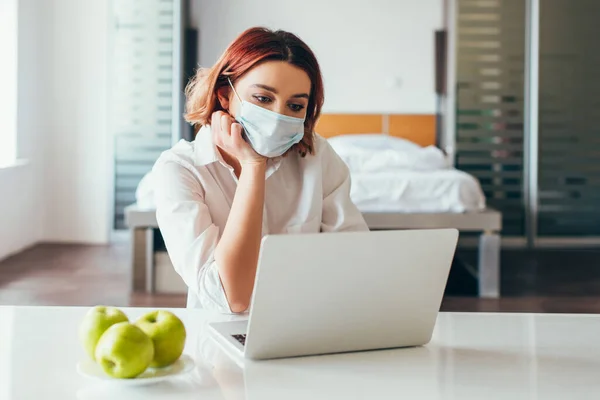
(399, 181)
(432, 195)
(392, 174)
(417, 192)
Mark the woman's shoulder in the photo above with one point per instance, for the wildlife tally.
(326, 156)
(322, 146)
(174, 170)
(324, 152)
(182, 153)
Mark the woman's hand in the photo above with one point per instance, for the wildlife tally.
(227, 134)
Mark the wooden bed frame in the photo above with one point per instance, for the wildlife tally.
(419, 129)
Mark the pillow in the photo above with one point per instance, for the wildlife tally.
(376, 141)
(381, 153)
(144, 194)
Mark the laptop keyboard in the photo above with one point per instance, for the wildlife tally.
(240, 338)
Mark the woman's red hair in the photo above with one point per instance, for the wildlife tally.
(254, 46)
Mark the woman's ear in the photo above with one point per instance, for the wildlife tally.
(223, 96)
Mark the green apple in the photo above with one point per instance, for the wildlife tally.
(124, 351)
(168, 334)
(96, 321)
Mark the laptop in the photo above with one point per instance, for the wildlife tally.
(342, 292)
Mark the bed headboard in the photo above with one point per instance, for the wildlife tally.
(418, 128)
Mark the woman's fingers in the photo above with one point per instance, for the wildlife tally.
(215, 126)
(236, 134)
(221, 129)
(228, 135)
(215, 122)
(225, 124)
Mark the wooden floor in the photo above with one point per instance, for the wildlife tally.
(561, 281)
(74, 275)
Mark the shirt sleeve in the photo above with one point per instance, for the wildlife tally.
(339, 212)
(188, 232)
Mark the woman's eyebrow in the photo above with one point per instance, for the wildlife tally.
(268, 88)
(300, 95)
(274, 91)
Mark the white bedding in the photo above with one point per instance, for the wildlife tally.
(395, 175)
(440, 191)
(377, 152)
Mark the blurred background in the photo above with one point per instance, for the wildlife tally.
(505, 90)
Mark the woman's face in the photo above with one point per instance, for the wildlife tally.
(275, 85)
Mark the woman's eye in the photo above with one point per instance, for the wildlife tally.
(262, 99)
(296, 107)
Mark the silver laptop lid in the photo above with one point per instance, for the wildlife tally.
(327, 293)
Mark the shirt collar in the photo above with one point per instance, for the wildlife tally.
(206, 152)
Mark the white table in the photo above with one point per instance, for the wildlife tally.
(472, 356)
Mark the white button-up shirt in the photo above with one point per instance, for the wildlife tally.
(194, 190)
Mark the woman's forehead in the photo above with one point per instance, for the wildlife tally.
(280, 75)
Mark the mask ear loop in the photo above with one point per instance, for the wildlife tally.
(244, 135)
(234, 91)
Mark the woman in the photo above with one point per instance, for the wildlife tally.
(255, 168)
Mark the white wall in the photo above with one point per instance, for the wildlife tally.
(8, 80)
(21, 205)
(63, 192)
(19, 210)
(7, 335)
(75, 138)
(363, 47)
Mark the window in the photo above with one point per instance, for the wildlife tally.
(8, 82)
(142, 91)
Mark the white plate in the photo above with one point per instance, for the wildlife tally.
(185, 364)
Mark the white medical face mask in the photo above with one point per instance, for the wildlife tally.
(270, 134)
